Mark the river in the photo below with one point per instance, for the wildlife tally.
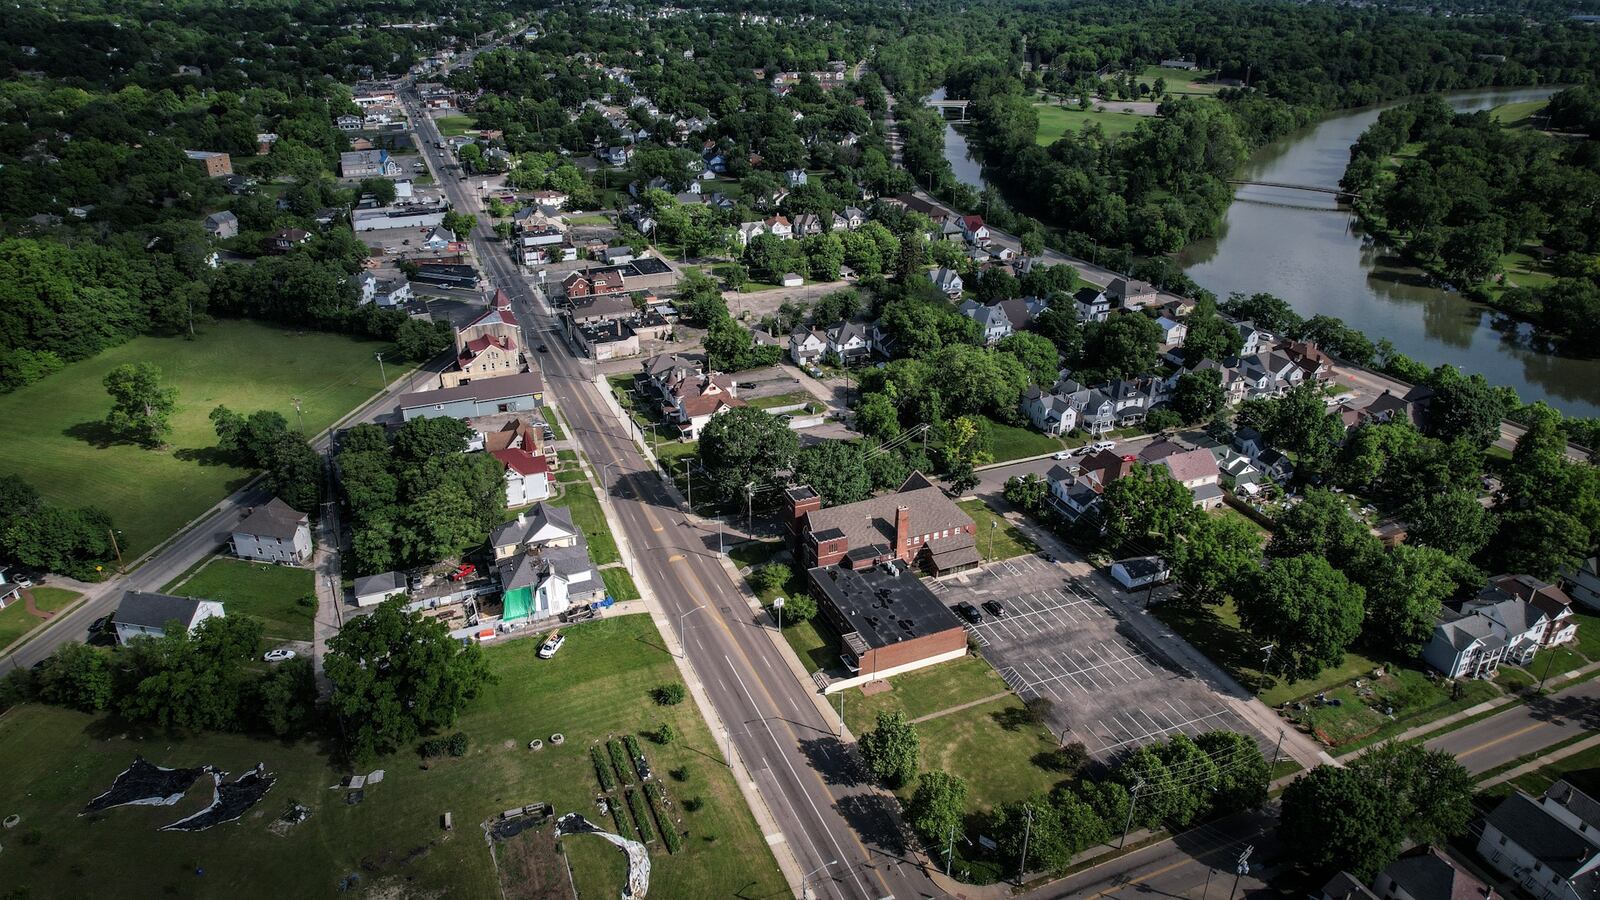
(1309, 250)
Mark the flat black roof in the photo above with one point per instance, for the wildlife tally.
(885, 607)
(649, 265)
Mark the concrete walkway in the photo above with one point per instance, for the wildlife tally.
(961, 706)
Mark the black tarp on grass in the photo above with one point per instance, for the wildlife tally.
(146, 784)
(231, 800)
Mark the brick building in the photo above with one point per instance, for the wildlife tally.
(890, 622)
(918, 525)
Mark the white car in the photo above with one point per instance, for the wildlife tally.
(1065, 454)
(1099, 446)
(279, 655)
(551, 645)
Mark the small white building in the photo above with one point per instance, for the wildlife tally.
(273, 533)
(1140, 571)
(527, 475)
(374, 589)
(142, 614)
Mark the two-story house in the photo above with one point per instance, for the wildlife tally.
(273, 532)
(1091, 304)
(1550, 847)
(918, 525)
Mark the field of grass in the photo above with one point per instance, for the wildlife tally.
(1581, 768)
(619, 584)
(284, 598)
(453, 126)
(578, 496)
(52, 761)
(1055, 121)
(1524, 270)
(1181, 81)
(1008, 442)
(1001, 542)
(1519, 115)
(59, 444)
(926, 691)
(589, 220)
(815, 643)
(16, 621)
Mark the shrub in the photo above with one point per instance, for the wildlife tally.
(666, 734)
(657, 795)
(602, 770)
(693, 804)
(457, 744)
(670, 694)
(431, 748)
(624, 823)
(680, 774)
(647, 832)
(619, 761)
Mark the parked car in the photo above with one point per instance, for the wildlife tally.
(969, 612)
(551, 645)
(1098, 446)
(995, 608)
(282, 654)
(1065, 454)
(544, 348)
(463, 572)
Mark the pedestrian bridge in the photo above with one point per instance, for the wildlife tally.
(1314, 188)
(958, 105)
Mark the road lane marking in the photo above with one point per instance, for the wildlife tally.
(676, 557)
(1502, 739)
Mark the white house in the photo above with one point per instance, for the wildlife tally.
(142, 614)
(1139, 571)
(948, 281)
(806, 346)
(1550, 847)
(1173, 332)
(542, 526)
(439, 238)
(1091, 304)
(527, 475)
(1547, 598)
(749, 231)
(9, 592)
(1428, 875)
(374, 589)
(547, 582)
(1467, 647)
(1254, 338)
(1052, 414)
(779, 227)
(1583, 583)
(992, 320)
(795, 177)
(849, 342)
(273, 533)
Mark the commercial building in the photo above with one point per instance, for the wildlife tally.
(510, 393)
(890, 622)
(918, 525)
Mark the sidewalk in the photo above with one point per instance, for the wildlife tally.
(1542, 761)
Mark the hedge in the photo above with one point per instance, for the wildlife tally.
(647, 832)
(602, 770)
(619, 759)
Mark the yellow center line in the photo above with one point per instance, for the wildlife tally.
(1503, 738)
(1143, 878)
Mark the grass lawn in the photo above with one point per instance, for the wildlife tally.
(815, 643)
(284, 598)
(53, 760)
(16, 621)
(1231, 513)
(1055, 121)
(1588, 634)
(1003, 542)
(1585, 763)
(589, 220)
(579, 497)
(552, 419)
(1523, 270)
(1181, 81)
(453, 126)
(619, 584)
(1008, 442)
(1518, 115)
(926, 691)
(58, 442)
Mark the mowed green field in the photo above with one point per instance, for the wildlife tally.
(58, 443)
(1055, 121)
(1181, 81)
(283, 597)
(52, 761)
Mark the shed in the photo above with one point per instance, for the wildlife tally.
(374, 589)
(793, 279)
(1139, 571)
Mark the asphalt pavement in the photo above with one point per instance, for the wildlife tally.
(832, 820)
(1524, 728)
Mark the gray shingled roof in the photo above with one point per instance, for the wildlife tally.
(1561, 849)
(154, 610)
(384, 582)
(276, 519)
(533, 520)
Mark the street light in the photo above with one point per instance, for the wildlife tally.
(681, 642)
(805, 883)
(381, 373)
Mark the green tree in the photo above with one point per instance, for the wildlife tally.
(937, 805)
(1332, 819)
(1466, 407)
(1036, 353)
(141, 407)
(1453, 521)
(1542, 542)
(1162, 796)
(1027, 492)
(891, 748)
(1059, 325)
(1210, 336)
(877, 417)
(421, 341)
(1148, 508)
(1050, 846)
(460, 224)
(196, 681)
(397, 675)
(1221, 555)
(1198, 396)
(746, 447)
(837, 470)
(1199, 778)
(1309, 611)
(295, 473)
(1322, 525)
(773, 577)
(1301, 424)
(76, 676)
(285, 698)
(1404, 597)
(1243, 773)
(1122, 346)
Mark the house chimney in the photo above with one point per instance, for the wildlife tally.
(902, 530)
(522, 519)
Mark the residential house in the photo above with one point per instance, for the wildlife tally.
(882, 342)
(853, 218)
(264, 143)
(543, 583)
(1550, 847)
(1412, 406)
(918, 525)
(1520, 623)
(142, 614)
(665, 372)
(974, 231)
(1316, 364)
(948, 281)
(849, 342)
(1052, 414)
(1255, 340)
(273, 532)
(214, 164)
(551, 198)
(794, 177)
(1091, 304)
(1428, 874)
(1133, 294)
(592, 283)
(285, 240)
(1076, 489)
(692, 402)
(1173, 332)
(807, 225)
(374, 589)
(1140, 571)
(439, 238)
(222, 225)
(10, 592)
(615, 156)
(1548, 599)
(748, 231)
(348, 123)
(542, 526)
(368, 164)
(779, 227)
(1195, 469)
(1344, 886)
(806, 346)
(1583, 583)
(1465, 647)
(527, 475)
(607, 340)
(993, 323)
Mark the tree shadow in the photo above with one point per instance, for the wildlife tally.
(872, 816)
(205, 456)
(1014, 718)
(837, 765)
(96, 433)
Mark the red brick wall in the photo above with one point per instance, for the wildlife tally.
(884, 658)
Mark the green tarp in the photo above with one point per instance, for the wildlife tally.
(518, 604)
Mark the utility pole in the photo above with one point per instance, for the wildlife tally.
(1133, 800)
(1275, 754)
(950, 850)
(118, 549)
(1548, 659)
(688, 472)
(299, 414)
(841, 714)
(1242, 869)
(777, 604)
(993, 523)
(381, 373)
(749, 498)
(1027, 831)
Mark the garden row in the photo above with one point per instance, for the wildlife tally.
(649, 805)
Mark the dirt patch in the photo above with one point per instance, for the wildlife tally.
(531, 866)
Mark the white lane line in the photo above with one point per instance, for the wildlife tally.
(838, 852)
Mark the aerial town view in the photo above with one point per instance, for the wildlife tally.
(558, 449)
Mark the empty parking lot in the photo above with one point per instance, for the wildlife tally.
(1058, 640)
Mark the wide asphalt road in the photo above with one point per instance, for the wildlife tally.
(833, 821)
(203, 538)
(1524, 728)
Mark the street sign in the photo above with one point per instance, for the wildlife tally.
(778, 603)
(987, 843)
